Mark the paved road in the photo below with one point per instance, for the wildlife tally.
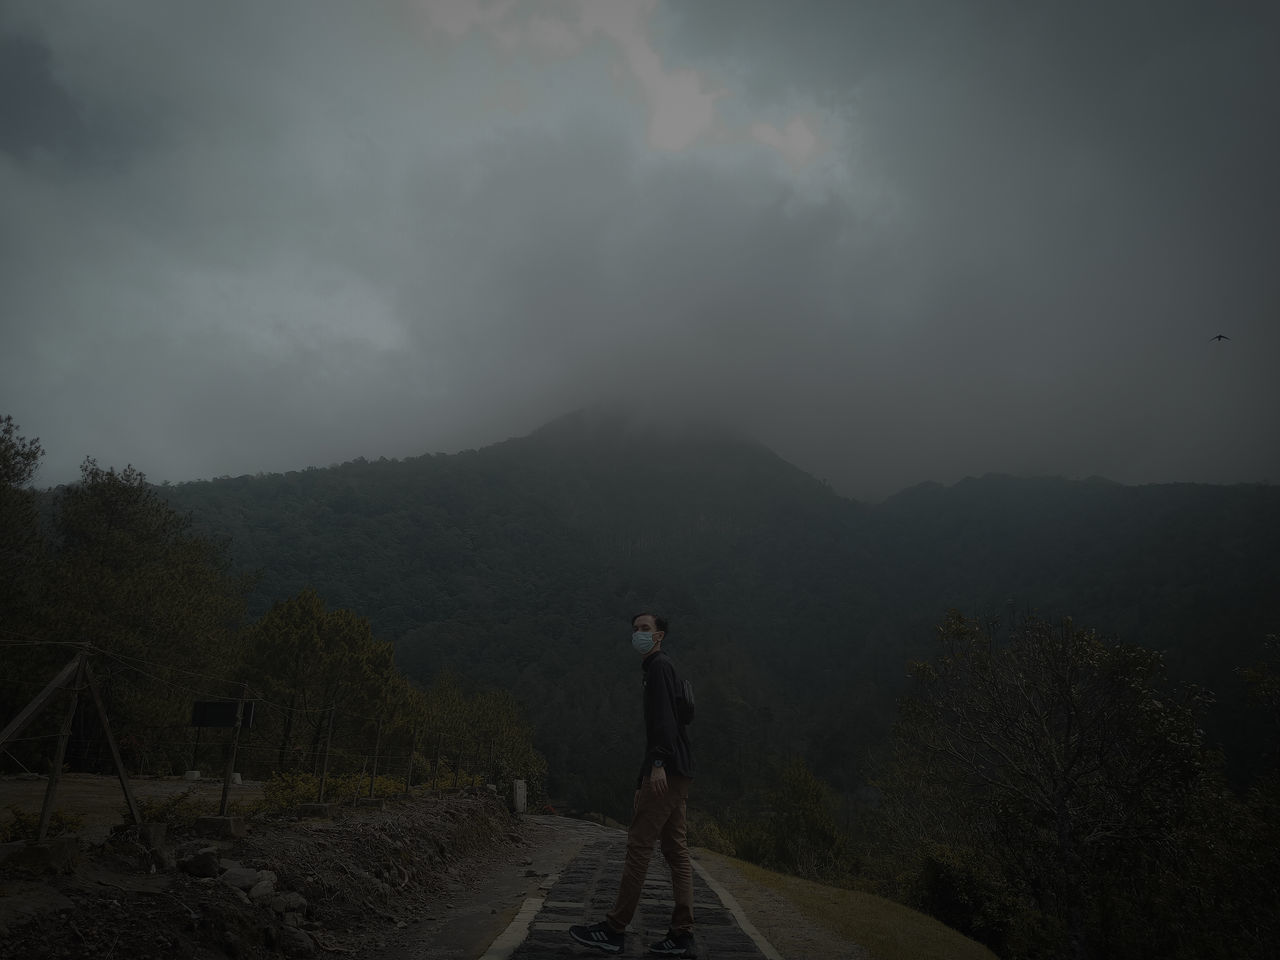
(583, 892)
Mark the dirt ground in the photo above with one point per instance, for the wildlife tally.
(367, 879)
(437, 878)
(99, 801)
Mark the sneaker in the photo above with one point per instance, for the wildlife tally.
(598, 935)
(675, 945)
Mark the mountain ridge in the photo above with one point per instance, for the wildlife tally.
(518, 565)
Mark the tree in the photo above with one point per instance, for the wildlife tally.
(305, 660)
(1263, 681)
(19, 457)
(802, 824)
(22, 568)
(1066, 758)
(21, 546)
(130, 576)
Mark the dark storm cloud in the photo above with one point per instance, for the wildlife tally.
(37, 113)
(1085, 197)
(291, 235)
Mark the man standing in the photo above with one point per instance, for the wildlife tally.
(658, 812)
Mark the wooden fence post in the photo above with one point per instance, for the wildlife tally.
(377, 744)
(435, 773)
(231, 755)
(111, 744)
(413, 748)
(324, 768)
(55, 774)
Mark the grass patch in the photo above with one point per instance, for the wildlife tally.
(888, 930)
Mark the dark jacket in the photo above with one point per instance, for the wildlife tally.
(666, 738)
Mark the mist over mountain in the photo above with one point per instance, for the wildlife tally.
(795, 610)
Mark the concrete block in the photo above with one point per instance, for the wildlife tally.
(519, 796)
(191, 775)
(151, 835)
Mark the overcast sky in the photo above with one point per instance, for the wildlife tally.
(897, 241)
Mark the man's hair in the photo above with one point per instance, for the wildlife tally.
(659, 622)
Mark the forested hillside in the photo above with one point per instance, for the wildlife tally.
(970, 699)
(796, 610)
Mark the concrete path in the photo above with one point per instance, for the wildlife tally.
(583, 892)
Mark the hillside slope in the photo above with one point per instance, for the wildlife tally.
(518, 565)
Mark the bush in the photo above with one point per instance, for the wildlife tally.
(178, 810)
(704, 831)
(25, 826)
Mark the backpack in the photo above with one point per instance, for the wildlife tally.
(685, 703)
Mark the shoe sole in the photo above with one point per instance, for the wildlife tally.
(595, 944)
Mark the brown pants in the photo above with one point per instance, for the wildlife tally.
(657, 819)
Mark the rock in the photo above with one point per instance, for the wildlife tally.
(296, 943)
(228, 864)
(292, 920)
(203, 864)
(242, 878)
(267, 875)
(289, 902)
(262, 890)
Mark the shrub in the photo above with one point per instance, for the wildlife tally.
(25, 826)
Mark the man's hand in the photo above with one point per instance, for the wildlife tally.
(658, 780)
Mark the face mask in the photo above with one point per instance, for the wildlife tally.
(643, 642)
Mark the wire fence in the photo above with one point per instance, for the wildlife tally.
(307, 753)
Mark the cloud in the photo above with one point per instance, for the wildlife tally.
(795, 142)
(897, 243)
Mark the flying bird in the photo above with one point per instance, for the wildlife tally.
(1221, 336)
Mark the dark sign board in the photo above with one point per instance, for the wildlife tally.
(220, 713)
